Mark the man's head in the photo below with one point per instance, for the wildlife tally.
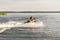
(31, 17)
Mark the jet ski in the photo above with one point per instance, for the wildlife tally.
(31, 23)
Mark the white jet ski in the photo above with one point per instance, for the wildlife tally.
(31, 23)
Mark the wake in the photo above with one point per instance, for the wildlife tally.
(13, 24)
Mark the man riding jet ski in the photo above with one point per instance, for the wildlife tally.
(31, 19)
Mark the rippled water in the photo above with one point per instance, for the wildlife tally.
(50, 32)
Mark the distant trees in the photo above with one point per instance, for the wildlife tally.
(3, 14)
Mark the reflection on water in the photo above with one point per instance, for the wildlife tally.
(50, 32)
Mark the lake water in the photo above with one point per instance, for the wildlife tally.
(50, 32)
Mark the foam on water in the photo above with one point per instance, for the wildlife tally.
(14, 24)
(9, 24)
